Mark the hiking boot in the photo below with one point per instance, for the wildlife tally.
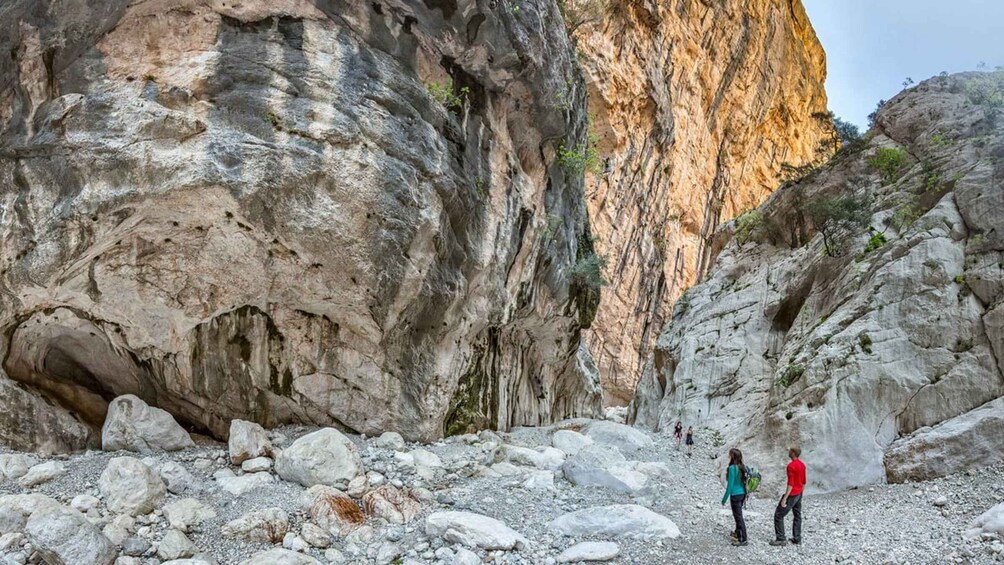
(778, 542)
(738, 543)
(795, 541)
(734, 535)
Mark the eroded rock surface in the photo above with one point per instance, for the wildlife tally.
(698, 106)
(325, 212)
(884, 350)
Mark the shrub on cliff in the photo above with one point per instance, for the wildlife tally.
(835, 217)
(889, 162)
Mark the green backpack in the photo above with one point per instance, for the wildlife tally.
(752, 478)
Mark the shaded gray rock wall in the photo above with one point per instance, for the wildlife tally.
(874, 359)
(264, 211)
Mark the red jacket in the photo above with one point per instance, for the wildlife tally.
(796, 476)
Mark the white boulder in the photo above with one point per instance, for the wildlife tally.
(16, 508)
(64, 536)
(324, 457)
(602, 466)
(539, 480)
(13, 466)
(257, 465)
(130, 487)
(390, 440)
(473, 531)
(177, 478)
(280, 556)
(315, 535)
(133, 425)
(621, 436)
(176, 545)
(187, 513)
(616, 521)
(247, 440)
(569, 441)
(243, 484)
(42, 473)
(332, 509)
(590, 551)
(541, 458)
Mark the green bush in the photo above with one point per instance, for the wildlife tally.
(889, 162)
(577, 159)
(588, 271)
(790, 374)
(986, 89)
(905, 215)
(866, 342)
(875, 241)
(577, 13)
(834, 217)
(749, 226)
(960, 279)
(443, 93)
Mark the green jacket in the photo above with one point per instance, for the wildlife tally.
(735, 485)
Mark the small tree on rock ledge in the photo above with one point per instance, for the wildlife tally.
(836, 217)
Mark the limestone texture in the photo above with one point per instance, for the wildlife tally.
(323, 212)
(885, 350)
(697, 106)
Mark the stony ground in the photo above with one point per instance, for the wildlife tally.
(905, 524)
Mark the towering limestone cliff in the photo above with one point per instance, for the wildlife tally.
(697, 106)
(316, 211)
(860, 311)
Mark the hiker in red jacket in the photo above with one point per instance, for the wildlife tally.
(792, 500)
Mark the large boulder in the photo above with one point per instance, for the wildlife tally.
(16, 508)
(616, 521)
(30, 422)
(391, 504)
(542, 458)
(602, 466)
(13, 466)
(129, 486)
(133, 425)
(570, 441)
(243, 484)
(621, 436)
(64, 536)
(268, 525)
(590, 551)
(187, 513)
(473, 530)
(42, 473)
(324, 457)
(332, 509)
(247, 440)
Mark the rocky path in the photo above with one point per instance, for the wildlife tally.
(491, 498)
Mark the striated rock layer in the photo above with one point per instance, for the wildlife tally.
(314, 211)
(884, 362)
(697, 106)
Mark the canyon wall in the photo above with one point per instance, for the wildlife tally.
(860, 311)
(320, 211)
(696, 105)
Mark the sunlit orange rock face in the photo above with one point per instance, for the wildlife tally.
(697, 105)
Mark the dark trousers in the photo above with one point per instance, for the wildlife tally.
(737, 501)
(795, 506)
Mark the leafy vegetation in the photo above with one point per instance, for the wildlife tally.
(835, 217)
(986, 89)
(866, 342)
(577, 159)
(905, 215)
(877, 240)
(790, 374)
(588, 271)
(889, 162)
(749, 226)
(874, 114)
(443, 93)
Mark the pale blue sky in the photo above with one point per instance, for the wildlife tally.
(873, 45)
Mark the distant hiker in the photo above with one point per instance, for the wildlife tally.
(678, 432)
(690, 441)
(792, 500)
(735, 492)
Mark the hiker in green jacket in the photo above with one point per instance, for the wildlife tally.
(735, 491)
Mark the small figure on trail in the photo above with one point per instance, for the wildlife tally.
(735, 492)
(678, 432)
(690, 441)
(791, 501)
